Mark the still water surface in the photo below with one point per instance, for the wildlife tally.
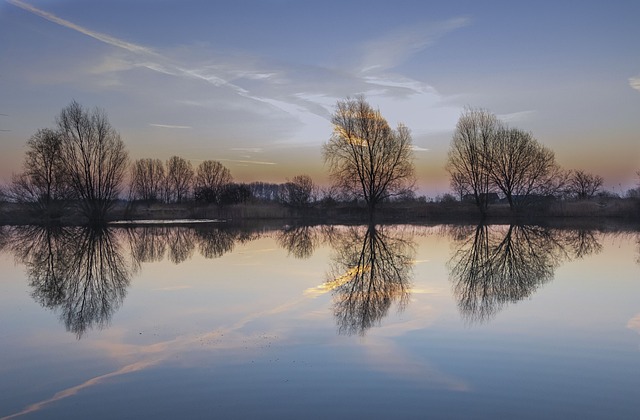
(319, 322)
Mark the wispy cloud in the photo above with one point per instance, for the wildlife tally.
(248, 149)
(97, 35)
(393, 49)
(419, 149)
(247, 162)
(180, 127)
(634, 82)
(153, 60)
(294, 100)
(634, 323)
(515, 117)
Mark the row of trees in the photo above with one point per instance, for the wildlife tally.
(83, 161)
(210, 182)
(487, 156)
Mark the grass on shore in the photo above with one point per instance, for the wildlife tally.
(627, 209)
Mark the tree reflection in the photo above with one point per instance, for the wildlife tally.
(497, 265)
(79, 272)
(214, 242)
(299, 241)
(583, 242)
(371, 269)
(150, 243)
(181, 243)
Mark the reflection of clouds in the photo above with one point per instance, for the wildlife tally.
(385, 355)
(234, 340)
(69, 392)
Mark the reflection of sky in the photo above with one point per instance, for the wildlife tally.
(238, 331)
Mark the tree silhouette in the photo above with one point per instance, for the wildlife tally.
(366, 158)
(94, 158)
(43, 185)
(147, 180)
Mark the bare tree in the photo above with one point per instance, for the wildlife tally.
(470, 154)
(366, 158)
(298, 192)
(178, 179)
(94, 158)
(43, 184)
(147, 179)
(211, 178)
(584, 185)
(522, 168)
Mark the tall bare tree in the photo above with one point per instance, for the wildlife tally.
(584, 185)
(94, 158)
(366, 157)
(43, 184)
(470, 153)
(522, 168)
(178, 179)
(147, 179)
(211, 178)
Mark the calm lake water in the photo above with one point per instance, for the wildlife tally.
(320, 322)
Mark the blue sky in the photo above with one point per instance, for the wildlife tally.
(253, 83)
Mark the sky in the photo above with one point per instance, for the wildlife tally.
(253, 83)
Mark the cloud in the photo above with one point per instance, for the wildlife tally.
(419, 149)
(97, 35)
(154, 60)
(514, 117)
(634, 323)
(292, 101)
(250, 162)
(248, 149)
(181, 127)
(634, 82)
(393, 49)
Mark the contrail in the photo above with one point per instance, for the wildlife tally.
(162, 64)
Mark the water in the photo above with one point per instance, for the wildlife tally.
(318, 322)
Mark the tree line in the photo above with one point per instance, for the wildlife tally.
(176, 181)
(83, 161)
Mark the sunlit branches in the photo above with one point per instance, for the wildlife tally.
(366, 158)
